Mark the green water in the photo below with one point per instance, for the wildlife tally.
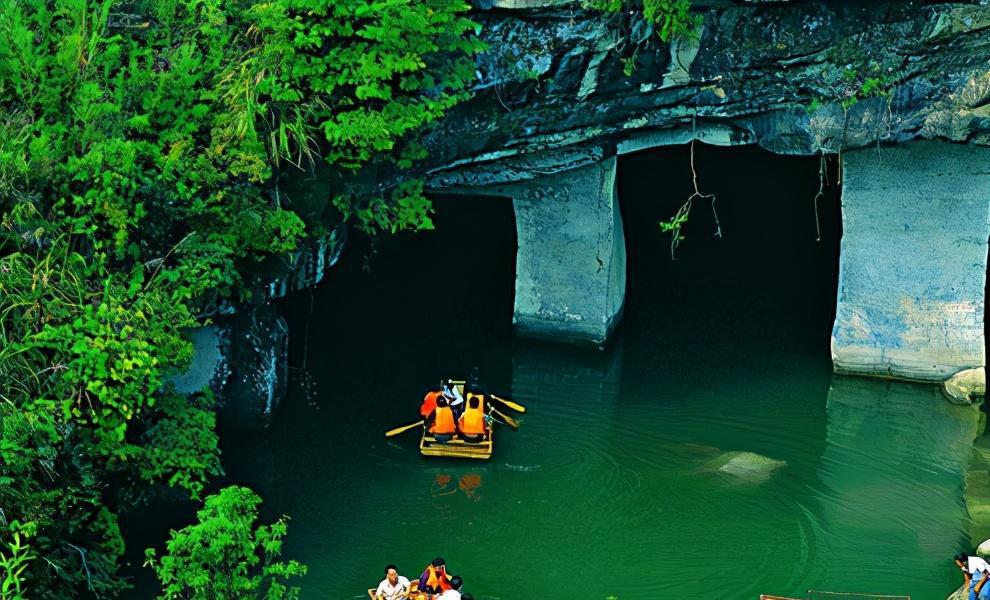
(632, 473)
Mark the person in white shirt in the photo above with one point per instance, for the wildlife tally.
(976, 572)
(393, 587)
(454, 593)
(450, 390)
(454, 398)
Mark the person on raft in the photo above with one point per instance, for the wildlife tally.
(454, 397)
(434, 580)
(454, 593)
(976, 571)
(473, 424)
(441, 422)
(393, 587)
(447, 390)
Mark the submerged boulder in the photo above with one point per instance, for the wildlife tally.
(966, 386)
(748, 467)
(983, 550)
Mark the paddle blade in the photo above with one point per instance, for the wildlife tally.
(402, 429)
(505, 418)
(514, 406)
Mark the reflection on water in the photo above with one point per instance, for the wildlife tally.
(892, 448)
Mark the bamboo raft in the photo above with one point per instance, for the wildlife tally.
(457, 448)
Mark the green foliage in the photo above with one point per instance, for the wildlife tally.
(674, 226)
(871, 81)
(671, 18)
(225, 555)
(14, 561)
(362, 75)
(629, 65)
(138, 155)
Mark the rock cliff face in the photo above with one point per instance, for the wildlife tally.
(241, 356)
(560, 87)
(562, 92)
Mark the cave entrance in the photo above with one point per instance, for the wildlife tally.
(409, 307)
(765, 289)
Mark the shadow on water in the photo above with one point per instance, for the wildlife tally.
(708, 451)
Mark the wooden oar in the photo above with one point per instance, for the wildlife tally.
(504, 417)
(399, 430)
(516, 407)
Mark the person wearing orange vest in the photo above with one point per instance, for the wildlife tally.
(473, 424)
(434, 579)
(429, 403)
(441, 422)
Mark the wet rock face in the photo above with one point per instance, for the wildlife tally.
(242, 356)
(277, 276)
(242, 359)
(560, 87)
(259, 367)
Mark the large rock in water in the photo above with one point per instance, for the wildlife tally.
(966, 386)
(983, 550)
(747, 467)
(209, 367)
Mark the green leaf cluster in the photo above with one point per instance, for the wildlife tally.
(671, 18)
(14, 560)
(225, 555)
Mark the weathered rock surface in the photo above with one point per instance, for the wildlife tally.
(241, 356)
(913, 261)
(554, 93)
(967, 386)
(276, 276)
(209, 367)
(571, 261)
(561, 88)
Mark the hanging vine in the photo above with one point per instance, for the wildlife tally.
(675, 225)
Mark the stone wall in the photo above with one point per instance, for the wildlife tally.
(571, 258)
(913, 261)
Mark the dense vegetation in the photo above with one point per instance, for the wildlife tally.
(225, 555)
(141, 145)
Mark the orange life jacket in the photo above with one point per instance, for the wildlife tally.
(472, 422)
(437, 578)
(429, 403)
(443, 423)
